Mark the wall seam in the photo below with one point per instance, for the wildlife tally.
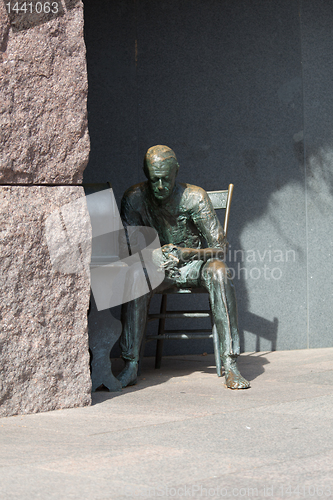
(305, 188)
(44, 185)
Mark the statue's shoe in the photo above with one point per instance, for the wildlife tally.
(129, 374)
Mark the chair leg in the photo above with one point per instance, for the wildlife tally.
(217, 345)
(217, 351)
(161, 325)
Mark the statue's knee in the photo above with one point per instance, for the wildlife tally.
(215, 271)
(135, 284)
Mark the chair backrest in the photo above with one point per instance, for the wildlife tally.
(104, 214)
(222, 199)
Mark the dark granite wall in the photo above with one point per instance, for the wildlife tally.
(241, 90)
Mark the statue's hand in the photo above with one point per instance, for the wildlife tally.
(171, 255)
(182, 254)
(166, 257)
(170, 249)
(157, 258)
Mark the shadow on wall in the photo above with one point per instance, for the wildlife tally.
(261, 328)
(319, 167)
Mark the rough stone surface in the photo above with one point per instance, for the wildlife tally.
(43, 312)
(4, 29)
(43, 89)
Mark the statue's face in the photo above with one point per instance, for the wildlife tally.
(162, 177)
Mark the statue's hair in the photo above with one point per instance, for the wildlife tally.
(163, 152)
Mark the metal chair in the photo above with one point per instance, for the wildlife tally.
(220, 200)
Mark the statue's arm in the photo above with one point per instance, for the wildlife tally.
(173, 255)
(129, 212)
(207, 223)
(205, 219)
(130, 217)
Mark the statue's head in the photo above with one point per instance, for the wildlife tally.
(161, 168)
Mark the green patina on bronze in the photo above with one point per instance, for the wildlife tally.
(193, 247)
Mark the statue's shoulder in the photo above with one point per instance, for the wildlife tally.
(135, 194)
(193, 194)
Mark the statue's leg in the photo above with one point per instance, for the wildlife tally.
(134, 317)
(215, 277)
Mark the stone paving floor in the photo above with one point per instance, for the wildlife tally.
(179, 433)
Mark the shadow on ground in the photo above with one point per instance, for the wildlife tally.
(251, 366)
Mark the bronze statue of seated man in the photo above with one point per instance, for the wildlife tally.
(191, 237)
